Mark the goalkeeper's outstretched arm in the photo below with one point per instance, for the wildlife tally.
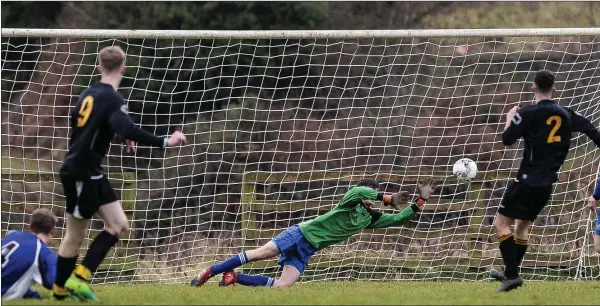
(387, 220)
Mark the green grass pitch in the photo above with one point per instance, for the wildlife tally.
(348, 292)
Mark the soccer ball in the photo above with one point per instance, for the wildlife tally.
(464, 169)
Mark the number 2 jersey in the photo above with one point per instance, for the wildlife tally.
(99, 114)
(25, 259)
(546, 128)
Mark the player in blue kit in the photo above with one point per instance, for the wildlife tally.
(26, 257)
(592, 204)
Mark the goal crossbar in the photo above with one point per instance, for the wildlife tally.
(296, 34)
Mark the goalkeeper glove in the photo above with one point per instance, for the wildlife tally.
(395, 199)
(426, 188)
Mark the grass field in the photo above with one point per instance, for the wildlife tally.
(349, 292)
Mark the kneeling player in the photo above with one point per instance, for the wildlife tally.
(27, 258)
(297, 244)
(592, 204)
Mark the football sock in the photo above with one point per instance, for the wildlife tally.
(521, 249)
(229, 264)
(254, 280)
(64, 268)
(508, 250)
(95, 255)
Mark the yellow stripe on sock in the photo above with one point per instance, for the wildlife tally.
(59, 290)
(83, 272)
(521, 241)
(504, 237)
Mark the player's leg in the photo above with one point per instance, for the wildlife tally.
(510, 278)
(521, 239)
(97, 197)
(296, 252)
(68, 253)
(506, 244)
(538, 199)
(514, 198)
(115, 224)
(75, 231)
(289, 276)
(266, 251)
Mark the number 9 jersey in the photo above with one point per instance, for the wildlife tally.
(99, 114)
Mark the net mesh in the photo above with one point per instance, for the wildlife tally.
(279, 129)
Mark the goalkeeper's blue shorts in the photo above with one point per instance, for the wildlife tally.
(295, 250)
(597, 230)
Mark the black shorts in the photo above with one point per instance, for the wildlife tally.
(524, 202)
(85, 196)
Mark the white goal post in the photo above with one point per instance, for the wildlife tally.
(282, 123)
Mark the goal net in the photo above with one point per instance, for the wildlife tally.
(282, 123)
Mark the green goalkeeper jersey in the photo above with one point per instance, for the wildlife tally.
(350, 217)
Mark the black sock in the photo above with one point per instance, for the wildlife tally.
(95, 255)
(520, 250)
(508, 250)
(64, 268)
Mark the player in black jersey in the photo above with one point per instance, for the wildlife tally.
(546, 128)
(99, 114)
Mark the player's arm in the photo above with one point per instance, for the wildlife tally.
(47, 265)
(387, 220)
(368, 196)
(363, 194)
(513, 129)
(583, 125)
(121, 124)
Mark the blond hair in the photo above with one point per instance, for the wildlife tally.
(111, 58)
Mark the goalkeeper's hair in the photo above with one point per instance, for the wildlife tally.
(371, 183)
(544, 81)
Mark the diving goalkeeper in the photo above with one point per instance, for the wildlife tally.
(297, 244)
